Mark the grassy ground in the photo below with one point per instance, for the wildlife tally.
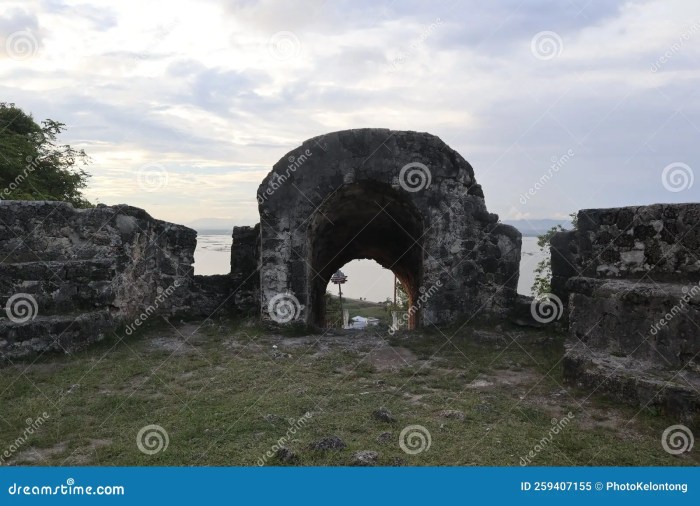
(364, 308)
(226, 393)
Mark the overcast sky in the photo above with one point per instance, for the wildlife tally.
(599, 96)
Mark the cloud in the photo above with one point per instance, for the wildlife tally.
(218, 91)
(98, 16)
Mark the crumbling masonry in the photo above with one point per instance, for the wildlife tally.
(628, 279)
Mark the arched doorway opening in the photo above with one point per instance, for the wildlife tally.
(364, 220)
(369, 295)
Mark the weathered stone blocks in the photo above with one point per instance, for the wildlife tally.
(69, 276)
(630, 278)
(404, 199)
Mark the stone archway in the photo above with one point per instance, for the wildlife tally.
(365, 220)
(404, 199)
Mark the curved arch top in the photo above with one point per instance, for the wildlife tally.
(376, 154)
(392, 196)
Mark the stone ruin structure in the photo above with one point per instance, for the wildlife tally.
(627, 278)
(404, 199)
(68, 277)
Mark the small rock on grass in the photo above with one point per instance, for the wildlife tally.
(286, 456)
(385, 437)
(328, 443)
(452, 413)
(365, 458)
(383, 415)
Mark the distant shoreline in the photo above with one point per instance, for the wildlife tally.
(228, 232)
(528, 228)
(214, 232)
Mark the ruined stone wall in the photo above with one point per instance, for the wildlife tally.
(656, 242)
(69, 276)
(245, 274)
(629, 279)
(237, 292)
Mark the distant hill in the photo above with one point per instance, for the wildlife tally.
(536, 227)
(223, 226)
(212, 231)
(212, 225)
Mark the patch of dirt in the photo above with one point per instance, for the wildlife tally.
(317, 346)
(172, 344)
(179, 341)
(33, 455)
(508, 378)
(187, 375)
(526, 384)
(390, 358)
(591, 417)
(415, 399)
(99, 443)
(480, 383)
(127, 386)
(87, 454)
(557, 402)
(240, 346)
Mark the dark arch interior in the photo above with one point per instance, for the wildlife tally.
(365, 220)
